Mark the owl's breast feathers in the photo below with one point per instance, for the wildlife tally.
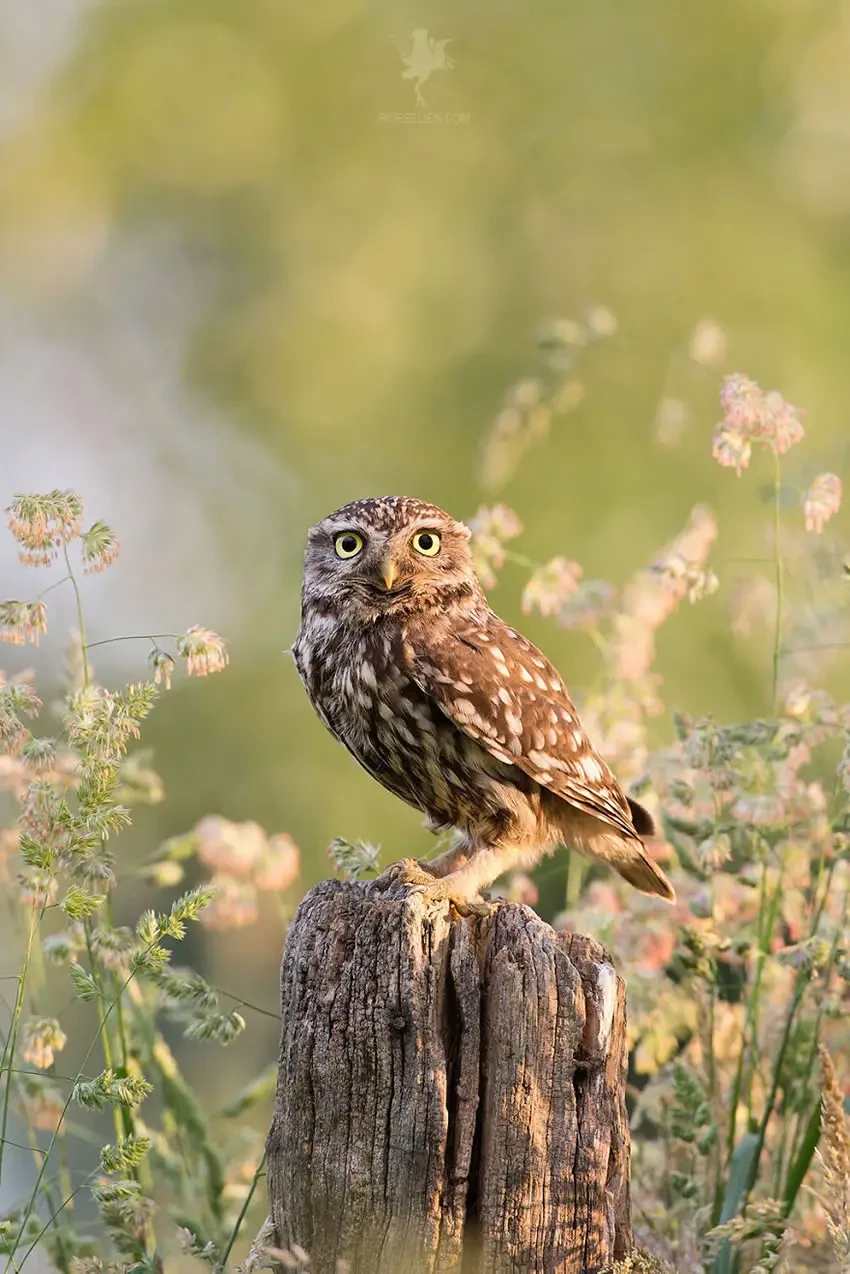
(363, 683)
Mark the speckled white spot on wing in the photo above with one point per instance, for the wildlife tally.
(591, 768)
(513, 722)
(546, 762)
(464, 710)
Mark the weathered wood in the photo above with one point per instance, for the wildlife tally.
(451, 1091)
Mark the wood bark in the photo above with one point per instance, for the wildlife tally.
(451, 1092)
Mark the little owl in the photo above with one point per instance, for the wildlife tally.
(449, 707)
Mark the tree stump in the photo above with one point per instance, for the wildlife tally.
(451, 1092)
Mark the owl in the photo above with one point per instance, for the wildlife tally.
(449, 707)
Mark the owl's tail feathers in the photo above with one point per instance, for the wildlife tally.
(634, 865)
(641, 817)
(624, 853)
(638, 868)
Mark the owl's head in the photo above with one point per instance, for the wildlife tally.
(389, 554)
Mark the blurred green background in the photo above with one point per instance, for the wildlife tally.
(245, 278)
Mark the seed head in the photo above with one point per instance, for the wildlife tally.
(42, 523)
(43, 1038)
(100, 547)
(22, 621)
(822, 501)
(204, 651)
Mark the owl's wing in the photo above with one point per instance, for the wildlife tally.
(498, 688)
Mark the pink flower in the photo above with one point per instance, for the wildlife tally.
(741, 400)
(655, 592)
(234, 907)
(490, 528)
(731, 448)
(235, 849)
(43, 1037)
(822, 501)
(279, 865)
(163, 666)
(781, 423)
(591, 602)
(759, 809)
(22, 621)
(100, 548)
(204, 651)
(42, 523)
(751, 415)
(550, 586)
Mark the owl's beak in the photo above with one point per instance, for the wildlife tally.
(388, 573)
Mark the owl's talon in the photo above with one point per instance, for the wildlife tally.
(409, 876)
(407, 871)
(480, 909)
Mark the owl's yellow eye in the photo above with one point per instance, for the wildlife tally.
(427, 543)
(348, 544)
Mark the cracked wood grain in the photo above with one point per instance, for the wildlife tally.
(451, 1092)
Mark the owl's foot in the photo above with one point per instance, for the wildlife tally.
(407, 871)
(409, 875)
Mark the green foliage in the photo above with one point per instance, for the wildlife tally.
(638, 1262)
(732, 993)
(79, 905)
(109, 1089)
(127, 1154)
(353, 859)
(71, 796)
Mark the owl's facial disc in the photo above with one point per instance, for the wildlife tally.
(389, 555)
(406, 558)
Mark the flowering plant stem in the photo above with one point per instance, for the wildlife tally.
(80, 617)
(103, 1031)
(12, 1038)
(237, 1225)
(777, 548)
(37, 1186)
(123, 1118)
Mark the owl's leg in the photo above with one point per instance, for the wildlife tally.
(454, 858)
(476, 872)
(461, 886)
